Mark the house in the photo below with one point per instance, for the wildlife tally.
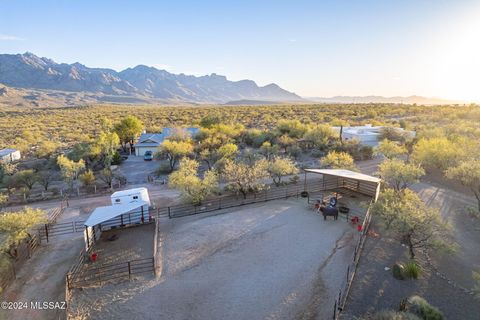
(151, 141)
(367, 135)
(9, 155)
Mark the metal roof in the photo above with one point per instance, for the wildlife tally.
(102, 214)
(155, 139)
(7, 151)
(345, 174)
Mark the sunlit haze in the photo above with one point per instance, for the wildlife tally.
(314, 48)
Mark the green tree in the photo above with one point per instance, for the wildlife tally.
(46, 148)
(244, 178)
(70, 169)
(16, 225)
(268, 150)
(209, 121)
(399, 175)
(212, 157)
(390, 149)
(128, 130)
(285, 142)
(7, 169)
(105, 147)
(292, 128)
(279, 168)
(194, 189)
(107, 176)
(3, 200)
(25, 178)
(338, 160)
(87, 178)
(320, 135)
(439, 153)
(468, 174)
(174, 151)
(44, 178)
(392, 134)
(415, 224)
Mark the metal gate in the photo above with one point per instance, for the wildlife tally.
(51, 230)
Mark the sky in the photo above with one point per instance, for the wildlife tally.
(313, 48)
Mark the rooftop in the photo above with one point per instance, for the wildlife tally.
(7, 151)
(345, 174)
(155, 139)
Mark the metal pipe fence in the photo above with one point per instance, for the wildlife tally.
(340, 302)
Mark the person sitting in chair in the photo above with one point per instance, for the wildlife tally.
(333, 202)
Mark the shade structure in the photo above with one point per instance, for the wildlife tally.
(103, 214)
(342, 178)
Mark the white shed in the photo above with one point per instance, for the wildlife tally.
(9, 155)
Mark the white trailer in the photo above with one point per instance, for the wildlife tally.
(130, 196)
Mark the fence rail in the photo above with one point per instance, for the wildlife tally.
(230, 201)
(344, 291)
(24, 251)
(82, 275)
(49, 230)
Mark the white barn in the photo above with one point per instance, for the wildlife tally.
(10, 155)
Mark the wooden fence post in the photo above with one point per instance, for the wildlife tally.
(335, 310)
(46, 231)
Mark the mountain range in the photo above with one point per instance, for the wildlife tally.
(138, 84)
(381, 99)
(29, 80)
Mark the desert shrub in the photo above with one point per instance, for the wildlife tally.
(420, 307)
(318, 153)
(163, 169)
(411, 270)
(392, 315)
(397, 271)
(116, 158)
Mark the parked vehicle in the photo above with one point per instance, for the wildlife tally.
(148, 156)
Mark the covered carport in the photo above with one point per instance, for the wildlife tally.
(344, 180)
(115, 216)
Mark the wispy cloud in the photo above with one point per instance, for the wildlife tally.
(6, 37)
(292, 40)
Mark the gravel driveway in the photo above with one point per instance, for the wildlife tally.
(136, 170)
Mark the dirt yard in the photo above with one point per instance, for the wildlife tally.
(42, 278)
(275, 260)
(128, 244)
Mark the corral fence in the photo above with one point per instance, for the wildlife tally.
(23, 251)
(230, 201)
(314, 189)
(50, 230)
(83, 275)
(344, 291)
